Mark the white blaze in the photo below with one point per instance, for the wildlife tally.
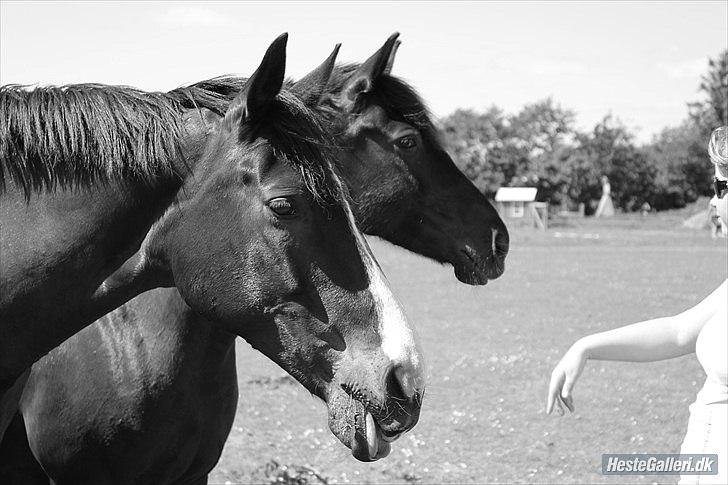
(399, 341)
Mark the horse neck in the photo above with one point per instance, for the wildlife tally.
(65, 251)
(161, 323)
(58, 248)
(136, 274)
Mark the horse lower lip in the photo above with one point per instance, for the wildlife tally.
(469, 271)
(470, 276)
(478, 270)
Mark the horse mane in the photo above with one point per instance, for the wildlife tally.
(80, 134)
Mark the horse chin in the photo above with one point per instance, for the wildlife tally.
(470, 275)
(357, 429)
(473, 269)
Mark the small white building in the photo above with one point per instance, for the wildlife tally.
(512, 201)
(519, 203)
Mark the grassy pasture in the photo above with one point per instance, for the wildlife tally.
(490, 352)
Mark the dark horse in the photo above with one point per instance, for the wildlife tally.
(166, 418)
(258, 239)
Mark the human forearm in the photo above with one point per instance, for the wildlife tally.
(646, 341)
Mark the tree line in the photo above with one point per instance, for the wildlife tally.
(540, 147)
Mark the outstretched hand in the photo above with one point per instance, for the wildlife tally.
(563, 378)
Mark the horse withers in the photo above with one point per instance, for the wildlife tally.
(260, 240)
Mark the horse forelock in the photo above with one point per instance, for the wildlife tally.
(299, 137)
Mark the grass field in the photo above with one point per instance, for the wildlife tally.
(490, 352)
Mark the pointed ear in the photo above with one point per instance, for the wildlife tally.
(362, 80)
(311, 86)
(390, 61)
(262, 87)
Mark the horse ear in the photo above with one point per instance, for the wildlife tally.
(312, 86)
(390, 61)
(262, 87)
(362, 80)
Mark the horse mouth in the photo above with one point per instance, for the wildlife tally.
(358, 430)
(474, 269)
(370, 443)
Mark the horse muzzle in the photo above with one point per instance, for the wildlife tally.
(367, 421)
(478, 266)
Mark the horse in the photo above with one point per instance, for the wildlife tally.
(261, 241)
(171, 434)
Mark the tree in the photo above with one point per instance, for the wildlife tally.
(539, 146)
(679, 154)
(475, 140)
(712, 110)
(543, 126)
(609, 150)
(495, 150)
(679, 157)
(545, 132)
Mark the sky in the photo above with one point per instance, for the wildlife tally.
(640, 61)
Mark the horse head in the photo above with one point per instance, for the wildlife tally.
(262, 241)
(406, 188)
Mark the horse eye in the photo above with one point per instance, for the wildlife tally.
(282, 206)
(407, 142)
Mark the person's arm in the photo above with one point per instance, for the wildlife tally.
(647, 341)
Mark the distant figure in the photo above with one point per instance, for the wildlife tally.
(645, 209)
(606, 206)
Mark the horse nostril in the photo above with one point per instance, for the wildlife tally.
(400, 384)
(500, 242)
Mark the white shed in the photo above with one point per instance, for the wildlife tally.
(512, 200)
(520, 203)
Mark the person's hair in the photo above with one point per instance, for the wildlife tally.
(718, 147)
